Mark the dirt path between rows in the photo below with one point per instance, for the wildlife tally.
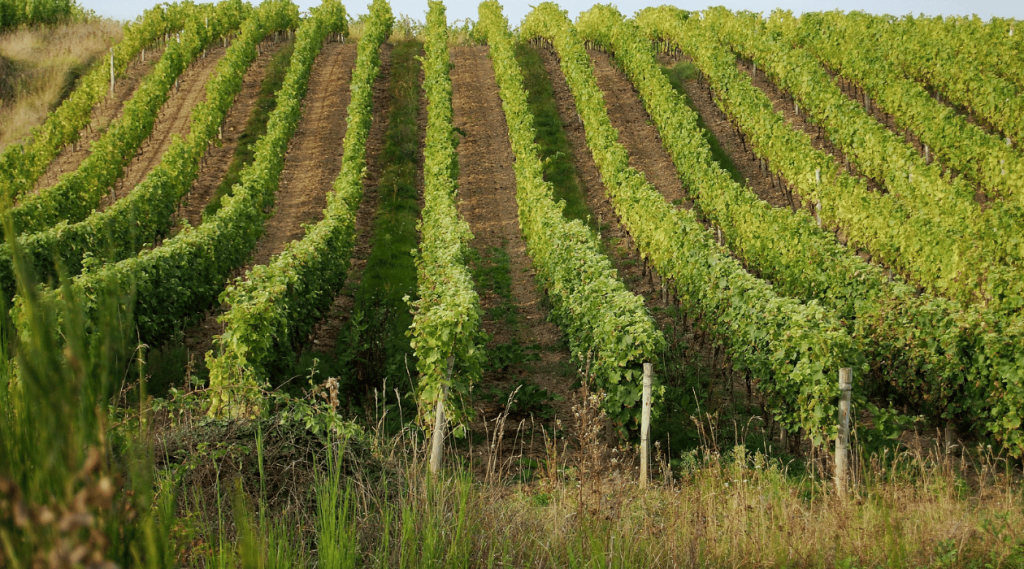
(218, 158)
(324, 336)
(487, 192)
(311, 164)
(104, 113)
(636, 131)
(314, 154)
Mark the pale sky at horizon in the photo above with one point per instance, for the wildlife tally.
(515, 11)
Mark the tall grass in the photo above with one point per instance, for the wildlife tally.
(40, 68)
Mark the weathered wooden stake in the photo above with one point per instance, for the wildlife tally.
(817, 176)
(645, 426)
(950, 437)
(817, 213)
(843, 440)
(111, 71)
(439, 422)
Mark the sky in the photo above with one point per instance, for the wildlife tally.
(515, 11)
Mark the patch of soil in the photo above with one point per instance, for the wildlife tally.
(325, 334)
(311, 164)
(104, 113)
(636, 130)
(314, 154)
(218, 158)
(487, 193)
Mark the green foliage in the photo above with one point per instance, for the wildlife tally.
(78, 193)
(610, 331)
(276, 305)
(21, 165)
(924, 351)
(145, 214)
(794, 349)
(447, 320)
(851, 45)
(940, 53)
(77, 484)
(930, 227)
(14, 13)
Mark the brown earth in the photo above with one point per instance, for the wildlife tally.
(325, 334)
(636, 130)
(104, 113)
(487, 192)
(314, 154)
(311, 164)
(218, 158)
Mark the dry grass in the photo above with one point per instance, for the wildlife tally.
(731, 509)
(719, 505)
(38, 69)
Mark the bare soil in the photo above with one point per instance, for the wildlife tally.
(104, 113)
(173, 120)
(487, 192)
(314, 154)
(219, 157)
(325, 334)
(636, 130)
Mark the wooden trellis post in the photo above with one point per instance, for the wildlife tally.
(439, 422)
(645, 426)
(843, 440)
